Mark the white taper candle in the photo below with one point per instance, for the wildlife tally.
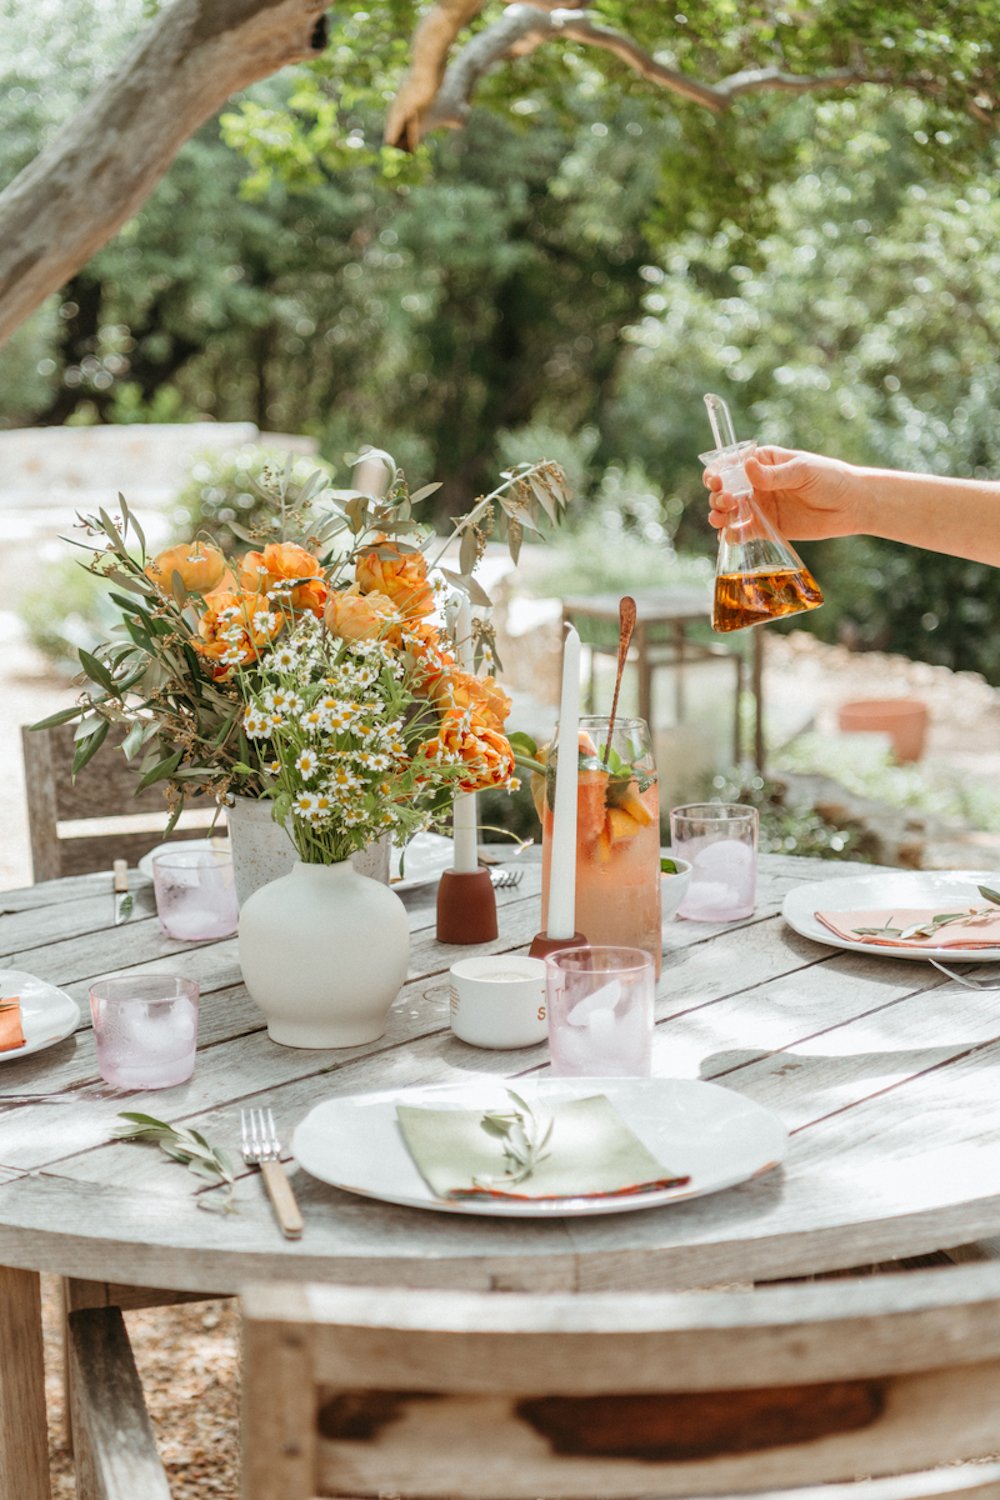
(562, 864)
(463, 814)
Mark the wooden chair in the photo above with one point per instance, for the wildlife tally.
(500, 1396)
(62, 811)
(430, 1394)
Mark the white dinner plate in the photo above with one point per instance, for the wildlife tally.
(945, 889)
(698, 1130)
(47, 1015)
(428, 855)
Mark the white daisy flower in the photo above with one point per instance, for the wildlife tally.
(307, 765)
(256, 726)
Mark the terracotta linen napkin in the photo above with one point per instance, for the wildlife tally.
(982, 930)
(11, 1030)
(592, 1153)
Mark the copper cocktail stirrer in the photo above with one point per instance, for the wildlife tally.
(626, 625)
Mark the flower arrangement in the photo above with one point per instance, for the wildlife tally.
(317, 668)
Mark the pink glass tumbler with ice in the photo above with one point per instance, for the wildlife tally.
(720, 841)
(196, 894)
(146, 1029)
(600, 1012)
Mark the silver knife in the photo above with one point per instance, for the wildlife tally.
(122, 895)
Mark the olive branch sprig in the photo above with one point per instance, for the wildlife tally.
(190, 1149)
(525, 1136)
(934, 925)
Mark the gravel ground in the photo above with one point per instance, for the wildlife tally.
(187, 1360)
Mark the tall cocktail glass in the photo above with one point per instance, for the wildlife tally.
(617, 837)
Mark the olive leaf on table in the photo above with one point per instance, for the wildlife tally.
(190, 1149)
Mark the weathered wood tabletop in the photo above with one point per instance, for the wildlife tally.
(884, 1071)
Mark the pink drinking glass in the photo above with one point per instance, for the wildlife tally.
(720, 841)
(600, 1005)
(145, 1029)
(195, 894)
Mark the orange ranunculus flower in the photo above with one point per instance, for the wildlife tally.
(276, 566)
(200, 564)
(234, 630)
(226, 585)
(483, 695)
(485, 753)
(361, 617)
(385, 568)
(429, 659)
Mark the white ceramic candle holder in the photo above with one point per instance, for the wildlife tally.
(499, 1001)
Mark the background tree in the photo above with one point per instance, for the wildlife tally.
(569, 270)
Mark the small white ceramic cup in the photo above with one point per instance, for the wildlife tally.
(499, 1001)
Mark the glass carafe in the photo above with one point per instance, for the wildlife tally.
(617, 836)
(758, 575)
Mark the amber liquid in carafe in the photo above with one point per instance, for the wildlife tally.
(743, 599)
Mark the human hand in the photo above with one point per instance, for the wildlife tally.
(806, 496)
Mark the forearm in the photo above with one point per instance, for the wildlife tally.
(958, 516)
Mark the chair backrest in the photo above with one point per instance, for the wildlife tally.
(465, 1395)
(104, 790)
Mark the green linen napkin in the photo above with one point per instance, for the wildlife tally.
(591, 1153)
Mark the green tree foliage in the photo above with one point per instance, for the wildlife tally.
(585, 259)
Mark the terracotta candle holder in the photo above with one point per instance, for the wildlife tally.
(466, 908)
(542, 945)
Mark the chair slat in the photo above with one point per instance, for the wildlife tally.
(471, 1396)
(105, 789)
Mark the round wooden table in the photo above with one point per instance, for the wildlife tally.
(884, 1071)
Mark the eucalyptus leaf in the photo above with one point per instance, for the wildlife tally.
(88, 748)
(160, 771)
(468, 552)
(475, 591)
(96, 670)
(62, 717)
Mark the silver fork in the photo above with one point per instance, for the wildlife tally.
(970, 984)
(262, 1148)
(502, 880)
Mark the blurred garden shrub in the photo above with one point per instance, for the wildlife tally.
(68, 610)
(222, 491)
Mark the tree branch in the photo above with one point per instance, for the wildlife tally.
(431, 44)
(526, 26)
(106, 161)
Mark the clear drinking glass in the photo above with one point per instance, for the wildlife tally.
(146, 1029)
(720, 841)
(617, 836)
(600, 1005)
(196, 894)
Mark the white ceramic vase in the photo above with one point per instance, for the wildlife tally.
(324, 951)
(263, 850)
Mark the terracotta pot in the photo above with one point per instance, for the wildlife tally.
(904, 720)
